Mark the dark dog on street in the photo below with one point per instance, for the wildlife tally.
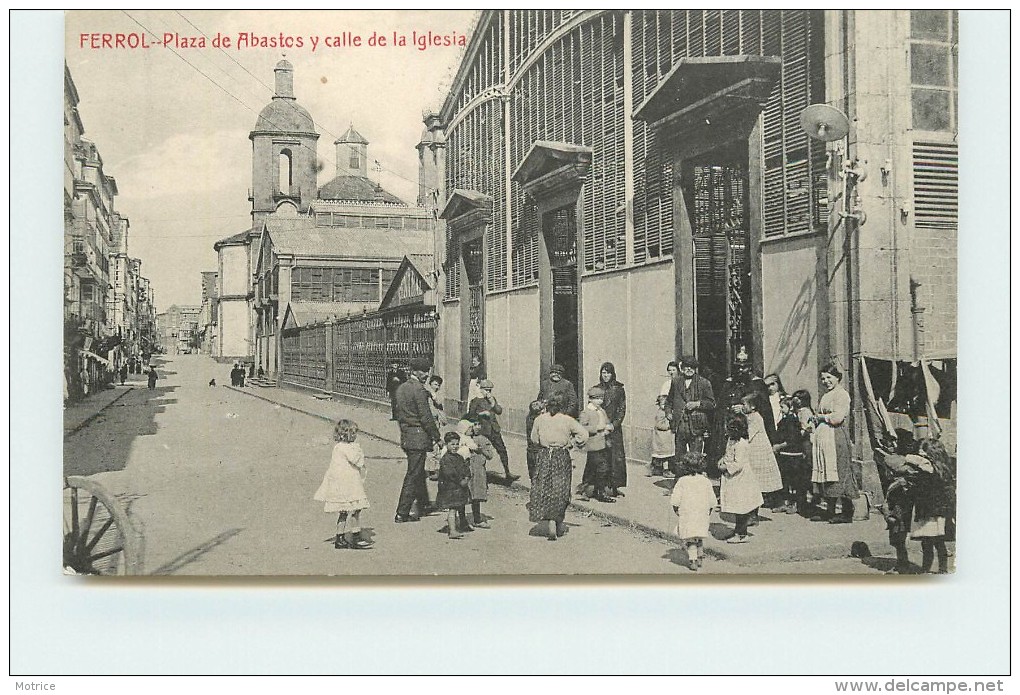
(212, 382)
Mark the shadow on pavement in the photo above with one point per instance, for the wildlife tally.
(195, 553)
(131, 417)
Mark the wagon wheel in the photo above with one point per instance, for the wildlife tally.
(99, 538)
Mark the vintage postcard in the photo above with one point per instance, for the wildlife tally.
(510, 292)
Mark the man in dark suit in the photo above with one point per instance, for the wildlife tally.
(418, 435)
(691, 401)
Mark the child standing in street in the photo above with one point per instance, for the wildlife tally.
(454, 482)
(739, 494)
(934, 503)
(595, 480)
(343, 487)
(663, 441)
(478, 450)
(693, 500)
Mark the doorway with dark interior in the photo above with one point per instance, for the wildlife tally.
(718, 204)
(559, 227)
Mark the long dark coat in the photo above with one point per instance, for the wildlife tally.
(615, 405)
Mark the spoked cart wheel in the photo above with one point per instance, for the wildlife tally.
(99, 538)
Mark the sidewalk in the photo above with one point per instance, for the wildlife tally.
(81, 413)
(646, 508)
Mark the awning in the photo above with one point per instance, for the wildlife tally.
(700, 89)
(101, 360)
(545, 157)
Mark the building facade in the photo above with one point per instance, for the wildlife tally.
(105, 309)
(632, 186)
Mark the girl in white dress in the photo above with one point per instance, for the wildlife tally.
(343, 487)
(693, 500)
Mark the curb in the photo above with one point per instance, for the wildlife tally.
(320, 416)
(96, 414)
(820, 552)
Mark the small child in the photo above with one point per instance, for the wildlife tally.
(790, 454)
(454, 481)
(763, 459)
(343, 487)
(477, 449)
(663, 441)
(534, 410)
(433, 385)
(693, 500)
(934, 503)
(739, 494)
(595, 481)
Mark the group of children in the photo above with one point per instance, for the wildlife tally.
(458, 466)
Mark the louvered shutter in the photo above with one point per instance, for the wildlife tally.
(936, 185)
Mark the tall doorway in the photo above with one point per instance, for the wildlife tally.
(719, 206)
(560, 229)
(474, 267)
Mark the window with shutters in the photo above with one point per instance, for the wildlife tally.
(476, 161)
(933, 69)
(936, 185)
(795, 197)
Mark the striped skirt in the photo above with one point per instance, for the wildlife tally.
(550, 490)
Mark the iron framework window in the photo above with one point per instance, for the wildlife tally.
(933, 69)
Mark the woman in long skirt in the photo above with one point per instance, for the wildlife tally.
(833, 474)
(554, 433)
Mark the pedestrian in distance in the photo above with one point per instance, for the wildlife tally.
(123, 373)
(418, 435)
(663, 442)
(395, 376)
(693, 500)
(152, 377)
(739, 492)
(487, 410)
(454, 485)
(555, 433)
(595, 481)
(343, 487)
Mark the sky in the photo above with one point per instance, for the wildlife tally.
(172, 123)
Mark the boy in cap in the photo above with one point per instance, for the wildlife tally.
(595, 481)
(486, 408)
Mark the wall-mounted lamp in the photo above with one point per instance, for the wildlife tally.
(905, 211)
(886, 171)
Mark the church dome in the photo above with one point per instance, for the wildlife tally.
(285, 115)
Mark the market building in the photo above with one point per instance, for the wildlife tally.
(632, 186)
(314, 253)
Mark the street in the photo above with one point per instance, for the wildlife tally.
(220, 483)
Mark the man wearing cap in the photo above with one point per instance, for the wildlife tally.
(691, 401)
(487, 409)
(418, 435)
(556, 383)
